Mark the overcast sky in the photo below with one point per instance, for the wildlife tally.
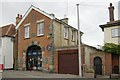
(92, 14)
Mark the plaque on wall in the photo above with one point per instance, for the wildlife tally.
(32, 35)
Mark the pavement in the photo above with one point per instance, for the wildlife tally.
(34, 74)
(40, 74)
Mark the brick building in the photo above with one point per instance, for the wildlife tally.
(38, 35)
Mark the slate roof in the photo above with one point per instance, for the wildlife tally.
(110, 24)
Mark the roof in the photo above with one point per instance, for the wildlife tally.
(37, 9)
(110, 24)
(7, 30)
(51, 16)
(92, 47)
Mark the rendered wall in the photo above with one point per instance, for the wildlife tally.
(7, 51)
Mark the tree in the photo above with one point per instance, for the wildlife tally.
(112, 48)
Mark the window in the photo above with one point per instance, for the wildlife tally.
(26, 32)
(73, 35)
(116, 32)
(65, 32)
(40, 28)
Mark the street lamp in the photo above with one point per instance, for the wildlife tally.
(79, 42)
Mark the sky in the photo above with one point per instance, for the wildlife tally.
(92, 14)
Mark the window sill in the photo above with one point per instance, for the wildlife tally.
(73, 40)
(115, 36)
(26, 38)
(65, 38)
(41, 35)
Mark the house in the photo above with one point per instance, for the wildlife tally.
(94, 61)
(118, 10)
(38, 36)
(112, 35)
(112, 28)
(6, 45)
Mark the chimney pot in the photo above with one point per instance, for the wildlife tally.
(110, 4)
(111, 12)
(18, 15)
(18, 18)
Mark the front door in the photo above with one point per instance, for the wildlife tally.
(34, 58)
(98, 65)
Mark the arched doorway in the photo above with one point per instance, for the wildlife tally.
(98, 66)
(34, 58)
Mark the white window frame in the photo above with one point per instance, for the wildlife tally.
(66, 32)
(27, 31)
(40, 29)
(73, 35)
(115, 32)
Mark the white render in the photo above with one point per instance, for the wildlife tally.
(108, 35)
(7, 52)
(1, 56)
(119, 37)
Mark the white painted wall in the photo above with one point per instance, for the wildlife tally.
(119, 10)
(108, 35)
(7, 51)
(1, 56)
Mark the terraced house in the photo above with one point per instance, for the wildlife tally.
(38, 36)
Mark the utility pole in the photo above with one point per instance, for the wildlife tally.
(79, 48)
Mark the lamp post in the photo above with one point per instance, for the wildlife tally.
(79, 42)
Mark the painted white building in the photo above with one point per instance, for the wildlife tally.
(119, 10)
(6, 46)
(1, 56)
(112, 29)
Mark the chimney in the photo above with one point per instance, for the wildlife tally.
(65, 19)
(18, 18)
(111, 12)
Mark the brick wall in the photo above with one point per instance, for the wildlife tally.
(91, 53)
(108, 63)
(41, 41)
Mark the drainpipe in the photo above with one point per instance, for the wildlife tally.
(119, 63)
(52, 46)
